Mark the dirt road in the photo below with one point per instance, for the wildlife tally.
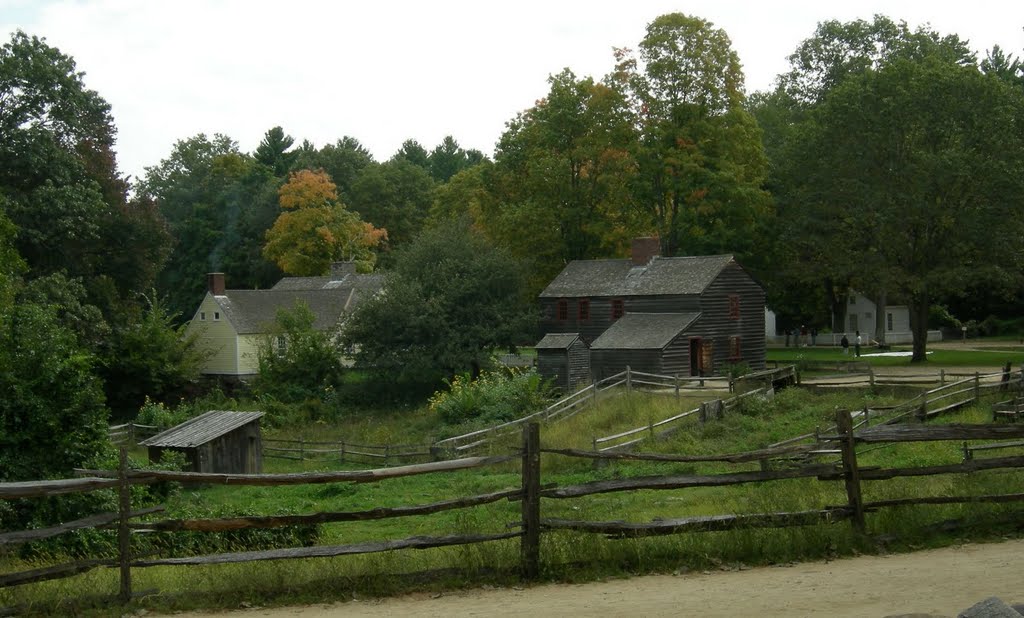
(939, 582)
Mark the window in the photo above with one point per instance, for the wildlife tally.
(888, 321)
(583, 309)
(735, 351)
(280, 345)
(734, 306)
(216, 315)
(202, 315)
(618, 308)
(853, 299)
(562, 314)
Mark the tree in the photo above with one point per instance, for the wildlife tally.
(296, 361)
(395, 196)
(273, 151)
(414, 153)
(343, 161)
(916, 167)
(564, 169)
(316, 229)
(451, 300)
(701, 161)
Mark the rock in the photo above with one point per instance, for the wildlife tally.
(992, 607)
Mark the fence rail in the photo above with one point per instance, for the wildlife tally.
(531, 494)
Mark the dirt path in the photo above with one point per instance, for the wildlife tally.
(939, 582)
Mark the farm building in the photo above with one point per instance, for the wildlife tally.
(217, 441)
(689, 315)
(565, 359)
(229, 324)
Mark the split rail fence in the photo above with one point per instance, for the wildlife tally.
(531, 493)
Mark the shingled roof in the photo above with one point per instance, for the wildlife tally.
(254, 311)
(557, 341)
(675, 275)
(644, 331)
(362, 281)
(202, 429)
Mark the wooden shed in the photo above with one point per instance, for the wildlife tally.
(218, 441)
(649, 342)
(564, 358)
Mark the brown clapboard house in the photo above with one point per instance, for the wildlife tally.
(681, 315)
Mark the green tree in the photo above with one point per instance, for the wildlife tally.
(701, 159)
(315, 229)
(395, 196)
(343, 161)
(273, 151)
(916, 167)
(564, 169)
(296, 361)
(413, 152)
(451, 300)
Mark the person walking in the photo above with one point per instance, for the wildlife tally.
(846, 344)
(856, 345)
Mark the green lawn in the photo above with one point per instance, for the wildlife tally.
(936, 357)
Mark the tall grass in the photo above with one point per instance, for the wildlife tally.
(569, 555)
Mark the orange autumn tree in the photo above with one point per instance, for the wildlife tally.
(315, 229)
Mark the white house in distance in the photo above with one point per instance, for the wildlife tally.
(229, 324)
(860, 316)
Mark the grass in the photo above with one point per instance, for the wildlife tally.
(566, 556)
(936, 357)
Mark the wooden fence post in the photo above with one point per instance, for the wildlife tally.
(629, 380)
(867, 416)
(124, 508)
(942, 377)
(530, 543)
(851, 473)
(977, 387)
(871, 377)
(677, 388)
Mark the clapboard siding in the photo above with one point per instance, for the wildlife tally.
(601, 312)
(605, 363)
(716, 323)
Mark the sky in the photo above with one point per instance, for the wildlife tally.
(384, 71)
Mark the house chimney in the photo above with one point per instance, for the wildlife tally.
(215, 283)
(340, 269)
(645, 249)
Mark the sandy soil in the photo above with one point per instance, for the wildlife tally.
(939, 582)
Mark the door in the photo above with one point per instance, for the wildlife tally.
(695, 356)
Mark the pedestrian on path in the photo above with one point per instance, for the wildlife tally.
(856, 346)
(846, 344)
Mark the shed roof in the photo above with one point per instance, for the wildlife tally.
(557, 341)
(202, 429)
(674, 275)
(644, 331)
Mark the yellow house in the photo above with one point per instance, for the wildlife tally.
(229, 324)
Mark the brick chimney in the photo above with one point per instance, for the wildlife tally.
(645, 249)
(340, 269)
(215, 283)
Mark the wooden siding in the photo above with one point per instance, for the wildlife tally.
(216, 337)
(601, 312)
(716, 324)
(248, 354)
(236, 452)
(569, 369)
(608, 362)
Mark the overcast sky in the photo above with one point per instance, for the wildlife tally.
(384, 71)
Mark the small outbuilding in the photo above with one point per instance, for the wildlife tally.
(564, 359)
(218, 441)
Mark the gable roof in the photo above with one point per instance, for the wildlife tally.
(202, 429)
(675, 275)
(557, 341)
(362, 281)
(644, 331)
(254, 311)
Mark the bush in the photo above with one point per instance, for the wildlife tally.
(296, 361)
(494, 397)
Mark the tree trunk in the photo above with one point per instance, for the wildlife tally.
(919, 306)
(838, 298)
(880, 299)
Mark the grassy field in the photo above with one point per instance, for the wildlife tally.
(565, 556)
(938, 357)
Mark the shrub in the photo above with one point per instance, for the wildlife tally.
(494, 397)
(296, 361)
